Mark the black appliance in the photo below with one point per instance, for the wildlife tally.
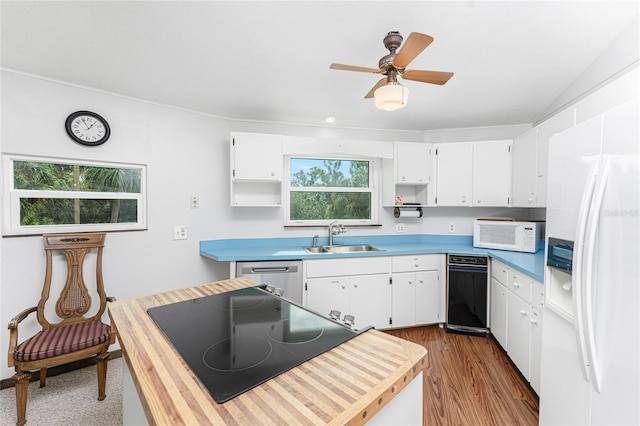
(237, 340)
(467, 282)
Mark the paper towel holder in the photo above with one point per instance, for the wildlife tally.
(397, 214)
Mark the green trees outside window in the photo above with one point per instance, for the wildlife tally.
(48, 194)
(329, 189)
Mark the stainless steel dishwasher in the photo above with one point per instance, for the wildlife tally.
(283, 274)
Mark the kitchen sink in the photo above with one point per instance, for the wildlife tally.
(316, 250)
(351, 248)
(341, 249)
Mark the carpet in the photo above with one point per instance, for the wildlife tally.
(69, 399)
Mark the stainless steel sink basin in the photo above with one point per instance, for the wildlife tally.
(316, 250)
(351, 248)
(341, 249)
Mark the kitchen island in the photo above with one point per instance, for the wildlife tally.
(370, 375)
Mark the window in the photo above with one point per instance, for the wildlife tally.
(54, 195)
(320, 190)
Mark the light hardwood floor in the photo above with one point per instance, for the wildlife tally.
(469, 380)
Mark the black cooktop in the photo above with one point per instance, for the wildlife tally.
(237, 340)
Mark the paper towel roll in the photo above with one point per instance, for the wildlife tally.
(397, 212)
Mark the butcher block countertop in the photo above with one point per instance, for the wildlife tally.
(346, 385)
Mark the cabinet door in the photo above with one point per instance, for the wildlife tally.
(492, 173)
(454, 167)
(427, 297)
(403, 299)
(327, 294)
(369, 300)
(499, 312)
(525, 170)
(413, 163)
(518, 333)
(256, 156)
(536, 349)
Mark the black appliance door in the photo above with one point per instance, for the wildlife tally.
(467, 299)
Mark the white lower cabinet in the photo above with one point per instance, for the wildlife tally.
(415, 298)
(518, 333)
(499, 311)
(354, 286)
(384, 292)
(536, 349)
(516, 319)
(416, 290)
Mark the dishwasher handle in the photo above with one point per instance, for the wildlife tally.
(271, 270)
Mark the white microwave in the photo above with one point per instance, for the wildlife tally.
(507, 234)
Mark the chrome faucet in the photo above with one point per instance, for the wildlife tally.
(335, 229)
(315, 240)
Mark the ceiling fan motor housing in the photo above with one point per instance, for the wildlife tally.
(392, 42)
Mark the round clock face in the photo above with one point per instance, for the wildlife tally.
(87, 128)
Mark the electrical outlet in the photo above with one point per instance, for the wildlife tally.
(452, 227)
(179, 232)
(399, 227)
(195, 202)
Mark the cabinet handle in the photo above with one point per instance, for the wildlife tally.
(523, 313)
(356, 285)
(410, 282)
(534, 322)
(516, 285)
(479, 201)
(343, 286)
(335, 281)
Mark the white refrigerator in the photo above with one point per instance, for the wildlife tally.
(590, 373)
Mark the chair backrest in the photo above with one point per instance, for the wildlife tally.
(75, 300)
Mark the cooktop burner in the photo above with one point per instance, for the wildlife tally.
(237, 340)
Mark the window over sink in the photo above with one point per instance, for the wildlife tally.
(319, 190)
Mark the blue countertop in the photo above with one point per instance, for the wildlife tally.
(254, 249)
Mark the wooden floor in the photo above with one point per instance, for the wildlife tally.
(469, 380)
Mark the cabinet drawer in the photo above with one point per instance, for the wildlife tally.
(500, 272)
(423, 262)
(537, 295)
(347, 266)
(520, 285)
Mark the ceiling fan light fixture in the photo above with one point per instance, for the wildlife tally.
(391, 96)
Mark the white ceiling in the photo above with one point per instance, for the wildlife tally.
(270, 60)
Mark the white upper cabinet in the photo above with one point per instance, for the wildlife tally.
(492, 173)
(525, 169)
(454, 174)
(256, 156)
(473, 173)
(256, 170)
(413, 163)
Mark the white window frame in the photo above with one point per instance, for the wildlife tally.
(11, 199)
(372, 189)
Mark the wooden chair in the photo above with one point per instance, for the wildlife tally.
(74, 337)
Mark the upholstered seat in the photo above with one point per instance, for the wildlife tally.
(62, 340)
(73, 337)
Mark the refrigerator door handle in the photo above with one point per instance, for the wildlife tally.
(579, 266)
(590, 275)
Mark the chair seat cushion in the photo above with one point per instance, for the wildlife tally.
(62, 340)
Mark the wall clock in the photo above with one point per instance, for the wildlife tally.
(87, 128)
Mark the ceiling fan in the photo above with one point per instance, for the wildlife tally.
(388, 93)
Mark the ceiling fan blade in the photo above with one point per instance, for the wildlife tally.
(433, 77)
(354, 68)
(380, 83)
(415, 43)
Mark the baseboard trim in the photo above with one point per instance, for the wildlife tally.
(60, 369)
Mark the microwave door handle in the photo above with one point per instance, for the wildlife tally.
(578, 269)
(590, 276)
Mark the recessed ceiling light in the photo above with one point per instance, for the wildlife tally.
(329, 119)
